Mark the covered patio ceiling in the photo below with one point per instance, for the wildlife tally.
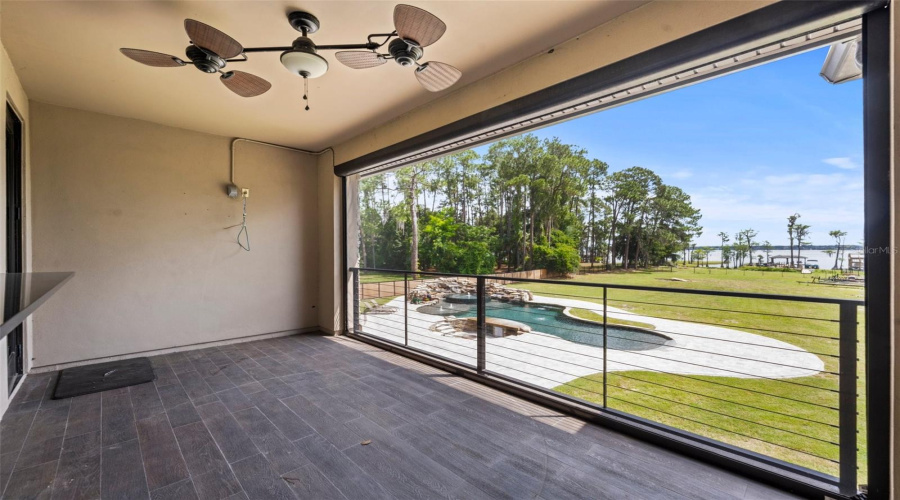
(66, 53)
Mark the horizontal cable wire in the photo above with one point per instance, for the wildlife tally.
(810, 318)
(666, 331)
(438, 339)
(736, 326)
(722, 429)
(618, 374)
(654, 396)
(659, 371)
(768, 330)
(611, 299)
(699, 322)
(695, 350)
(443, 341)
(666, 413)
(387, 317)
(686, 376)
(426, 343)
(685, 390)
(721, 414)
(613, 286)
(625, 313)
(662, 398)
(642, 353)
(700, 408)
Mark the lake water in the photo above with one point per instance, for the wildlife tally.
(825, 262)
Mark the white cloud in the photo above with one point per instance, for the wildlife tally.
(826, 202)
(682, 174)
(841, 162)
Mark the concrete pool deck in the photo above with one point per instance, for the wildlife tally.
(549, 361)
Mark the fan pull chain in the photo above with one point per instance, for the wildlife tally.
(306, 91)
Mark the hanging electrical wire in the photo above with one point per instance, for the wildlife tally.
(243, 230)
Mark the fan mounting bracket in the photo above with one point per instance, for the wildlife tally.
(303, 22)
(404, 53)
(204, 60)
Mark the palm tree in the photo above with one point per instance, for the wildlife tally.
(792, 223)
(830, 253)
(748, 235)
(724, 237)
(801, 231)
(698, 255)
(838, 236)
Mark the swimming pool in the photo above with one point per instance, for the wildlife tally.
(551, 320)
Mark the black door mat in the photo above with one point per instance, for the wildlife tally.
(89, 379)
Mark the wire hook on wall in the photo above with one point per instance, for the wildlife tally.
(244, 230)
(243, 225)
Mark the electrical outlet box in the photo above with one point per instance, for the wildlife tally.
(245, 192)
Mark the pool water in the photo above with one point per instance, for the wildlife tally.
(551, 320)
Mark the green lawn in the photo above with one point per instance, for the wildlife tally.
(377, 277)
(720, 407)
(598, 317)
(363, 308)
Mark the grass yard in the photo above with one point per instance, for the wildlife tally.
(593, 316)
(376, 277)
(365, 306)
(724, 408)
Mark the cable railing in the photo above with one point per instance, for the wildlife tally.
(772, 377)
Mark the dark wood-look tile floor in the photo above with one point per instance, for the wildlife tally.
(286, 418)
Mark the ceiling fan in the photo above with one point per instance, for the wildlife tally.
(211, 50)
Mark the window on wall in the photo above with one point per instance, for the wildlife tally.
(662, 223)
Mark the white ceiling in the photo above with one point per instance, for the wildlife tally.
(66, 53)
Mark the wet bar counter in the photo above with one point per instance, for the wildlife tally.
(23, 293)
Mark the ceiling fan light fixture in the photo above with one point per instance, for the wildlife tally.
(211, 50)
(300, 62)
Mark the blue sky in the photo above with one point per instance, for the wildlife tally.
(750, 148)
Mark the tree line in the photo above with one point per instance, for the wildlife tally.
(740, 252)
(525, 203)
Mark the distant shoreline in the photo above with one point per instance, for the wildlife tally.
(785, 247)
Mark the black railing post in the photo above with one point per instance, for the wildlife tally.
(356, 328)
(405, 309)
(480, 323)
(847, 415)
(604, 347)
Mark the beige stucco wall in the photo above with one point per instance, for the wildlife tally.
(14, 94)
(138, 211)
(329, 267)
